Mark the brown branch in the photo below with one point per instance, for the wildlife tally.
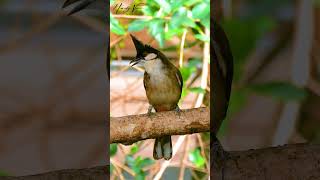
(130, 129)
(96, 173)
(295, 162)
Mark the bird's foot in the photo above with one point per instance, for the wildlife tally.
(150, 114)
(178, 111)
(220, 157)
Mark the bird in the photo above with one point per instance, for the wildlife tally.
(163, 85)
(221, 80)
(100, 5)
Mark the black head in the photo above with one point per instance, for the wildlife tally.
(143, 51)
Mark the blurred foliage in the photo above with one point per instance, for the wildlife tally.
(317, 2)
(138, 163)
(113, 149)
(244, 32)
(243, 35)
(282, 91)
(3, 173)
(194, 14)
(196, 158)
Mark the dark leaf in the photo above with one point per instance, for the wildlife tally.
(113, 149)
(280, 91)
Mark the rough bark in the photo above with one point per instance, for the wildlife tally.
(130, 129)
(95, 173)
(294, 162)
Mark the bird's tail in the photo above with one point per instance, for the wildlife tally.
(162, 148)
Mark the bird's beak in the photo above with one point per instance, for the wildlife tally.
(135, 61)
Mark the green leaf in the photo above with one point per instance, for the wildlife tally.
(176, 4)
(206, 22)
(280, 91)
(173, 32)
(156, 26)
(188, 22)
(140, 176)
(134, 149)
(198, 90)
(145, 162)
(186, 72)
(130, 160)
(201, 11)
(147, 10)
(111, 168)
(137, 25)
(196, 158)
(202, 37)
(116, 27)
(191, 2)
(160, 38)
(184, 93)
(178, 18)
(113, 149)
(164, 4)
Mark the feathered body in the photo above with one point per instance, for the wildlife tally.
(163, 84)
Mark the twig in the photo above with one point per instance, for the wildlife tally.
(300, 70)
(183, 159)
(202, 152)
(122, 167)
(183, 39)
(205, 69)
(118, 172)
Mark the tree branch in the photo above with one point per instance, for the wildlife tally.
(96, 173)
(130, 129)
(294, 162)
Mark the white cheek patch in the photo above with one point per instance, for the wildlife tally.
(150, 56)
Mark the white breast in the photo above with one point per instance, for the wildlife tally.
(153, 68)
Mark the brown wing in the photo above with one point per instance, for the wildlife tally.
(146, 80)
(179, 78)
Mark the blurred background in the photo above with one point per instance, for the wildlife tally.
(52, 88)
(275, 97)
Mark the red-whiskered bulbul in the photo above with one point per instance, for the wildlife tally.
(163, 84)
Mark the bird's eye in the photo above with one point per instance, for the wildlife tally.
(150, 56)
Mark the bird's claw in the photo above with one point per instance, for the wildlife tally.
(178, 111)
(150, 113)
